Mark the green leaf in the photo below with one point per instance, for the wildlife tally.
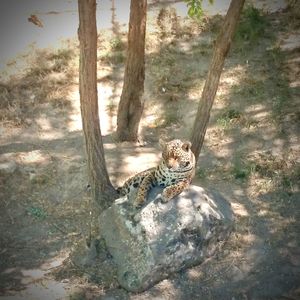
(195, 8)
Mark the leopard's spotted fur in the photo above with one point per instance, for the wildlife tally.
(174, 173)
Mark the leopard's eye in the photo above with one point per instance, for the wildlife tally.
(187, 164)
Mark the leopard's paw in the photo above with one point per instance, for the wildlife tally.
(138, 203)
(163, 199)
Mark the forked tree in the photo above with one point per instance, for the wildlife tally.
(131, 104)
(221, 49)
(102, 189)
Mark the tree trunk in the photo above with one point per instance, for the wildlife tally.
(102, 190)
(222, 47)
(131, 104)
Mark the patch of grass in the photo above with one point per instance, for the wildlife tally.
(251, 89)
(223, 122)
(171, 72)
(282, 94)
(266, 164)
(116, 44)
(251, 28)
(228, 118)
(48, 78)
(115, 58)
(270, 84)
(46, 61)
(12, 106)
(282, 97)
(170, 67)
(171, 115)
(290, 180)
(287, 182)
(167, 56)
(201, 173)
(4, 96)
(273, 172)
(242, 170)
(170, 118)
(111, 107)
(61, 59)
(37, 212)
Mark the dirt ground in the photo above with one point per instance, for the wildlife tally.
(251, 155)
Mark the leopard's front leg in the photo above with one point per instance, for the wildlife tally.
(144, 187)
(173, 190)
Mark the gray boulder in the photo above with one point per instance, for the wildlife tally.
(149, 244)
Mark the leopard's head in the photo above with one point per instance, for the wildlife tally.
(177, 155)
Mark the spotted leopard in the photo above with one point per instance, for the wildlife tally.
(174, 173)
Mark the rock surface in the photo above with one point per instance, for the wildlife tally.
(150, 244)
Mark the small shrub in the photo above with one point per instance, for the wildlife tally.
(228, 117)
(242, 170)
(116, 44)
(4, 95)
(254, 90)
(251, 27)
(168, 23)
(116, 57)
(171, 118)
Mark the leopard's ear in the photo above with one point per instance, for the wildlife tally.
(162, 143)
(186, 146)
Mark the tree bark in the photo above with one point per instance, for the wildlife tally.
(221, 49)
(102, 189)
(131, 103)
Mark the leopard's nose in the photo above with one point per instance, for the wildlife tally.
(170, 165)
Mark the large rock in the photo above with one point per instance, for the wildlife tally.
(149, 244)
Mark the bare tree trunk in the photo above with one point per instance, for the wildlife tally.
(222, 47)
(102, 190)
(131, 104)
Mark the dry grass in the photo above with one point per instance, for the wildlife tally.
(47, 79)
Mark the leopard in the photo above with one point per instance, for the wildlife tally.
(174, 174)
